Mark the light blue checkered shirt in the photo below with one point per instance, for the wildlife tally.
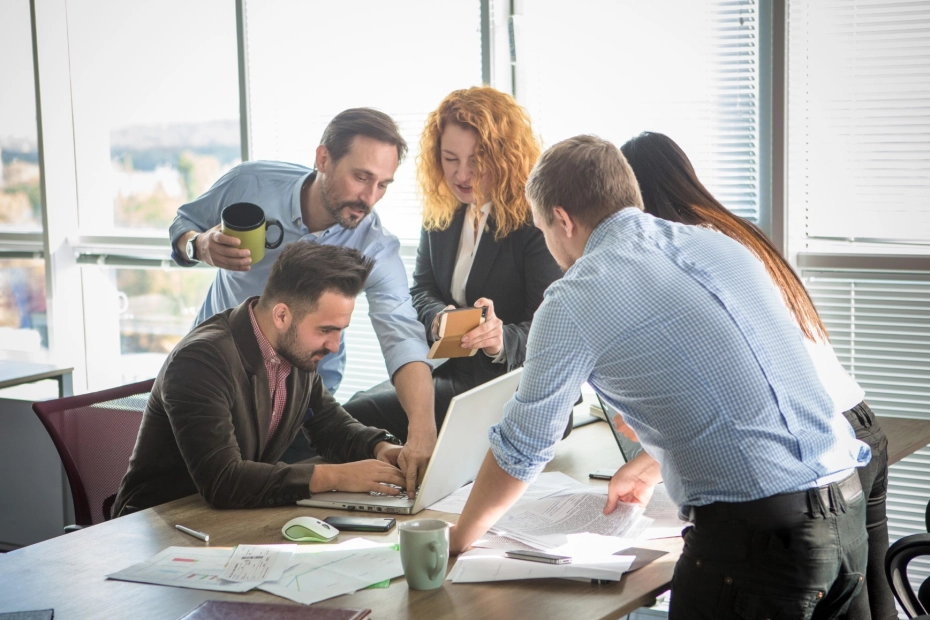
(275, 187)
(682, 330)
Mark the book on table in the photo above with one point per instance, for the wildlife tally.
(240, 610)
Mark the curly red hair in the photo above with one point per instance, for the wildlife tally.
(507, 150)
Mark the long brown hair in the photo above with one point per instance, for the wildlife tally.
(506, 150)
(672, 191)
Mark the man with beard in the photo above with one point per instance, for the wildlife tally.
(237, 389)
(331, 205)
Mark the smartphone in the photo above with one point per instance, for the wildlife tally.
(360, 524)
(603, 474)
(538, 556)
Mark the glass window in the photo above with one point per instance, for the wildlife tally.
(137, 317)
(616, 68)
(156, 106)
(23, 321)
(20, 199)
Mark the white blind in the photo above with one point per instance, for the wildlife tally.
(616, 68)
(308, 61)
(880, 329)
(859, 118)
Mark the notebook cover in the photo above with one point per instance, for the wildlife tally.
(38, 614)
(452, 326)
(240, 610)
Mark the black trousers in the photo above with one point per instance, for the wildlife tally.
(875, 600)
(770, 564)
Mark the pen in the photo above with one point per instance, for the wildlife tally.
(194, 533)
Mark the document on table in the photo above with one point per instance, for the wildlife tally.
(318, 576)
(258, 562)
(539, 522)
(547, 484)
(480, 565)
(200, 568)
(664, 513)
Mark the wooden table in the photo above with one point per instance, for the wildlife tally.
(19, 373)
(67, 573)
(905, 436)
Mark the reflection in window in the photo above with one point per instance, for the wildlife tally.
(156, 116)
(20, 198)
(23, 323)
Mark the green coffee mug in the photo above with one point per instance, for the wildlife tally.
(424, 552)
(246, 222)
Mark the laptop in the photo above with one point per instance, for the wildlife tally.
(460, 449)
(628, 448)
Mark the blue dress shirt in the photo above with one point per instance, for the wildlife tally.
(275, 187)
(682, 330)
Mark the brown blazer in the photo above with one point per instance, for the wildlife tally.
(205, 427)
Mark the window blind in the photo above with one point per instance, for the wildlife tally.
(880, 329)
(617, 68)
(308, 61)
(859, 119)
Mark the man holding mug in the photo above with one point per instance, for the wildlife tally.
(331, 205)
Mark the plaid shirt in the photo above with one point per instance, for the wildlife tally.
(681, 329)
(278, 370)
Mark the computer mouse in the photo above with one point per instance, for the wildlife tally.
(308, 529)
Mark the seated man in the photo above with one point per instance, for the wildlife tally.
(680, 329)
(235, 392)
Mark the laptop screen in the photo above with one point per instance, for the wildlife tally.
(628, 448)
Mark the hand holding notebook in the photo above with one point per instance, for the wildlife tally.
(453, 324)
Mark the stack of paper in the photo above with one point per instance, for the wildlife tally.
(305, 574)
(480, 565)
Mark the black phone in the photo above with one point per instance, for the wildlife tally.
(360, 524)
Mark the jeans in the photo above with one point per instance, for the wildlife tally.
(876, 600)
(800, 566)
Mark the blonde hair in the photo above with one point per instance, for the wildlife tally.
(506, 152)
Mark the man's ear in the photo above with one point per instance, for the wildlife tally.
(282, 316)
(322, 158)
(564, 221)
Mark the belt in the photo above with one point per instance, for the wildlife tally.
(797, 503)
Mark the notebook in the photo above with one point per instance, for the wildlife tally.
(240, 610)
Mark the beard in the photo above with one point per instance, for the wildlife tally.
(336, 209)
(289, 350)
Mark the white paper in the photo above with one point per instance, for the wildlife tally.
(548, 483)
(258, 562)
(199, 568)
(566, 514)
(479, 565)
(664, 512)
(319, 576)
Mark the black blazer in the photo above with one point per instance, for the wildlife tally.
(513, 272)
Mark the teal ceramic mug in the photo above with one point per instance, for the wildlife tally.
(424, 552)
(246, 222)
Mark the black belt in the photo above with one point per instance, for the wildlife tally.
(768, 509)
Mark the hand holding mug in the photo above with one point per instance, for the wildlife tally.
(219, 250)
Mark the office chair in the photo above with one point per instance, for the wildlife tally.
(95, 435)
(896, 561)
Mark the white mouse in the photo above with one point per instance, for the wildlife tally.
(308, 529)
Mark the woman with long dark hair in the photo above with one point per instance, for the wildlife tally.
(672, 191)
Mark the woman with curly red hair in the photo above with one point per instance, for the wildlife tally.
(478, 246)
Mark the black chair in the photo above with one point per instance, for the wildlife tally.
(896, 561)
(95, 435)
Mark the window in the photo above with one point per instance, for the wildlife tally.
(156, 107)
(859, 206)
(309, 61)
(617, 68)
(23, 323)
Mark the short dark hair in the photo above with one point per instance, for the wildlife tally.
(304, 271)
(338, 135)
(585, 175)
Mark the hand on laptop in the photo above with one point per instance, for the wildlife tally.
(625, 430)
(387, 452)
(413, 460)
(361, 476)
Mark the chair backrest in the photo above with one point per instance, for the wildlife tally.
(95, 435)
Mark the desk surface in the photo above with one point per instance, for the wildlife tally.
(67, 572)
(18, 373)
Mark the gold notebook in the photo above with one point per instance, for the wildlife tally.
(453, 324)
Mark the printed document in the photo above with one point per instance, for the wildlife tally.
(258, 562)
